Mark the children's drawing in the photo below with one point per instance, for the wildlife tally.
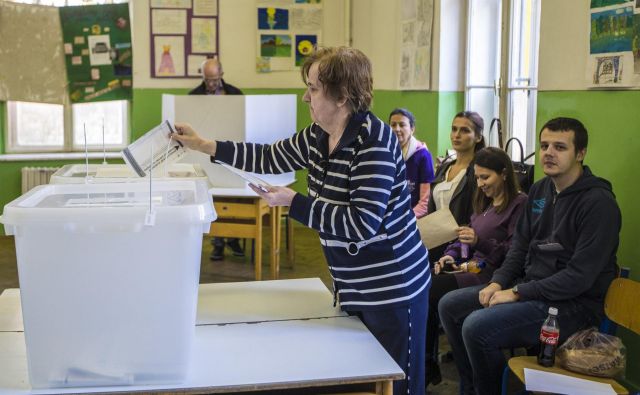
(606, 3)
(275, 45)
(271, 18)
(169, 56)
(608, 70)
(304, 46)
(611, 30)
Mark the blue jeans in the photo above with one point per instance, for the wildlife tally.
(478, 335)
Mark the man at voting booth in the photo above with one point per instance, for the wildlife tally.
(213, 84)
(357, 200)
(563, 254)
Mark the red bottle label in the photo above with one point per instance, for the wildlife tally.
(549, 337)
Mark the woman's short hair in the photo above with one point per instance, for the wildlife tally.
(345, 73)
(497, 160)
(406, 113)
(478, 126)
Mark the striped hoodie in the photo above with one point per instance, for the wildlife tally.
(357, 201)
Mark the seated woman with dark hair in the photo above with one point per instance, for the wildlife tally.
(481, 246)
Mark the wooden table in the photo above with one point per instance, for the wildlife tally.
(278, 346)
(240, 214)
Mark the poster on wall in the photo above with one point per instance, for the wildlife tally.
(287, 32)
(183, 34)
(614, 44)
(415, 53)
(98, 53)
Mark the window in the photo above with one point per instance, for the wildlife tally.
(38, 127)
(488, 48)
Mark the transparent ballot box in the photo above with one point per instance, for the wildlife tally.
(109, 279)
(105, 173)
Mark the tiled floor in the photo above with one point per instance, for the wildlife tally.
(309, 262)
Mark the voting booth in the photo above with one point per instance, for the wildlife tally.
(261, 119)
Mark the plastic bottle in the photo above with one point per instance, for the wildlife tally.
(464, 251)
(475, 267)
(549, 335)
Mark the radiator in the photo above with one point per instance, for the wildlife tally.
(34, 176)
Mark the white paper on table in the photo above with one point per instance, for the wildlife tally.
(437, 228)
(538, 380)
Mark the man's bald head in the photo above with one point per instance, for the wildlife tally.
(212, 75)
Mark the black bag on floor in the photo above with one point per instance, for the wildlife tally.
(524, 172)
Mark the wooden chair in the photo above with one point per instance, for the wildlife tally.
(620, 306)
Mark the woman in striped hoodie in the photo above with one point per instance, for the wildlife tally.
(357, 201)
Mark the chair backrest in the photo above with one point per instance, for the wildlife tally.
(621, 305)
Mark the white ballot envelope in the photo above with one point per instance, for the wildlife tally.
(250, 178)
(437, 228)
(153, 149)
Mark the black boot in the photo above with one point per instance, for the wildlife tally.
(432, 374)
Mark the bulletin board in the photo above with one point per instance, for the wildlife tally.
(287, 32)
(614, 44)
(183, 33)
(98, 52)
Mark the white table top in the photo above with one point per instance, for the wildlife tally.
(268, 355)
(225, 303)
(256, 301)
(277, 342)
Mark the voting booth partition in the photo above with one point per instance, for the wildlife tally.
(261, 119)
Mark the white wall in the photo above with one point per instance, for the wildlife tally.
(375, 32)
(237, 46)
(564, 44)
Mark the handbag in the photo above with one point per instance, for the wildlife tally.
(523, 171)
(498, 123)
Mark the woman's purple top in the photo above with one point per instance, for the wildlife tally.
(419, 168)
(494, 231)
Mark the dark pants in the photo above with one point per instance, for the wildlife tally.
(478, 335)
(219, 241)
(400, 331)
(441, 284)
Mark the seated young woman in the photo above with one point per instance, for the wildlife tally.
(482, 245)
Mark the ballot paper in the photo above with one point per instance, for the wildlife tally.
(251, 179)
(153, 149)
(538, 380)
(438, 228)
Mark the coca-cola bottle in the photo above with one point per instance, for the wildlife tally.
(549, 334)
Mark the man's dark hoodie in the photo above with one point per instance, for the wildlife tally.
(565, 244)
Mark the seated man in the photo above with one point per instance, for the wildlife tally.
(563, 254)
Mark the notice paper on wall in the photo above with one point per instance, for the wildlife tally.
(153, 149)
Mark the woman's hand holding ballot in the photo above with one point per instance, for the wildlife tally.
(190, 139)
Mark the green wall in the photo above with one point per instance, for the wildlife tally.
(612, 119)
